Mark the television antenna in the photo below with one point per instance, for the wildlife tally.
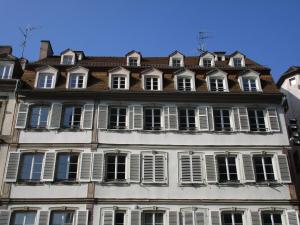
(25, 33)
(202, 37)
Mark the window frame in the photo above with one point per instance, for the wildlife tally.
(152, 118)
(257, 120)
(218, 75)
(118, 108)
(228, 173)
(133, 61)
(60, 211)
(153, 217)
(29, 119)
(67, 180)
(33, 163)
(222, 119)
(73, 115)
(7, 65)
(251, 74)
(232, 213)
(46, 70)
(186, 109)
(119, 72)
(68, 54)
(152, 73)
(119, 77)
(186, 74)
(272, 216)
(154, 181)
(77, 71)
(116, 155)
(274, 168)
(13, 216)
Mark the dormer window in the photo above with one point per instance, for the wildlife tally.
(6, 70)
(249, 84)
(176, 59)
(207, 62)
(46, 77)
(176, 62)
(152, 83)
(237, 62)
(133, 61)
(133, 58)
(250, 81)
(118, 82)
(216, 84)
(217, 81)
(152, 80)
(77, 78)
(67, 60)
(184, 80)
(68, 57)
(119, 78)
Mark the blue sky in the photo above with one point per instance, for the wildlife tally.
(267, 31)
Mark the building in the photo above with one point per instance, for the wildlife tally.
(137, 140)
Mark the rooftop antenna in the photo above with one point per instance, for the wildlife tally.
(26, 32)
(201, 40)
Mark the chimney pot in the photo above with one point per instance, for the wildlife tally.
(45, 49)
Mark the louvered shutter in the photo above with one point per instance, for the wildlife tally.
(160, 168)
(273, 120)
(244, 122)
(170, 117)
(210, 118)
(97, 173)
(22, 115)
(284, 168)
(203, 118)
(188, 218)
(185, 169)
(196, 168)
(215, 218)
(108, 217)
(135, 168)
(248, 168)
(4, 217)
(85, 167)
(173, 218)
(148, 166)
(138, 117)
(102, 116)
(135, 217)
(43, 218)
(199, 218)
(56, 110)
(49, 166)
(255, 218)
(88, 112)
(292, 217)
(237, 125)
(82, 217)
(131, 117)
(210, 165)
(12, 167)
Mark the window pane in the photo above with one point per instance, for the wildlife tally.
(119, 218)
(66, 168)
(25, 166)
(61, 218)
(23, 218)
(37, 166)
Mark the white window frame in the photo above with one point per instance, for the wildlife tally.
(176, 55)
(293, 79)
(256, 119)
(39, 116)
(237, 165)
(153, 73)
(119, 72)
(218, 75)
(232, 216)
(133, 61)
(118, 117)
(31, 167)
(68, 166)
(118, 77)
(153, 155)
(152, 116)
(237, 55)
(274, 163)
(77, 70)
(272, 217)
(231, 120)
(68, 53)
(185, 74)
(153, 217)
(207, 55)
(133, 54)
(186, 109)
(25, 218)
(64, 211)
(250, 75)
(115, 155)
(73, 112)
(10, 67)
(47, 70)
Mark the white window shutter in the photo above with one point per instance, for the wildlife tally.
(170, 117)
(22, 115)
(173, 218)
(248, 168)
(56, 111)
(255, 218)
(210, 165)
(197, 168)
(237, 125)
(85, 167)
(130, 123)
(135, 217)
(210, 118)
(148, 167)
(12, 167)
(137, 117)
(82, 217)
(160, 167)
(43, 217)
(292, 217)
(203, 116)
(199, 218)
(88, 112)
(273, 120)
(97, 173)
(284, 170)
(108, 217)
(135, 168)
(215, 218)
(244, 122)
(188, 218)
(185, 168)
(5, 217)
(166, 117)
(49, 166)
(102, 116)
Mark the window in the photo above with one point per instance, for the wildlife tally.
(227, 169)
(117, 118)
(176, 62)
(154, 165)
(232, 218)
(61, 218)
(30, 166)
(72, 117)
(76, 80)
(66, 166)
(237, 62)
(45, 80)
(152, 119)
(67, 60)
(207, 62)
(271, 218)
(263, 168)
(292, 81)
(184, 84)
(256, 120)
(23, 218)
(133, 61)
(39, 117)
(249, 84)
(119, 218)
(222, 119)
(151, 83)
(115, 167)
(5, 72)
(187, 119)
(153, 218)
(216, 84)
(118, 82)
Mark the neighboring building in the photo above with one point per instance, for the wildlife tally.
(289, 84)
(136, 140)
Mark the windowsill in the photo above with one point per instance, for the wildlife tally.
(29, 183)
(154, 184)
(58, 129)
(116, 183)
(191, 184)
(230, 183)
(268, 183)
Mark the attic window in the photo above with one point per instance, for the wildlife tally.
(207, 62)
(133, 61)
(67, 60)
(292, 81)
(237, 62)
(176, 62)
(5, 71)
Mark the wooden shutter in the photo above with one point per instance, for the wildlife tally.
(170, 117)
(215, 218)
(22, 115)
(102, 116)
(148, 166)
(173, 218)
(43, 218)
(88, 112)
(85, 167)
(210, 118)
(284, 168)
(292, 217)
(185, 168)
(199, 218)
(244, 122)
(255, 218)
(188, 218)
(49, 166)
(273, 120)
(211, 176)
(135, 168)
(248, 168)
(82, 217)
(130, 117)
(237, 125)
(138, 117)
(135, 217)
(196, 168)
(97, 173)
(4, 217)
(203, 118)
(12, 167)
(108, 217)
(159, 170)
(56, 110)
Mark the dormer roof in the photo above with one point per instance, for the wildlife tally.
(176, 52)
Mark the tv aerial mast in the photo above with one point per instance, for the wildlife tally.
(25, 33)
(202, 37)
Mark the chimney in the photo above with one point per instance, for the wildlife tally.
(5, 49)
(45, 49)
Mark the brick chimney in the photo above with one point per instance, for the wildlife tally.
(45, 49)
(5, 49)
